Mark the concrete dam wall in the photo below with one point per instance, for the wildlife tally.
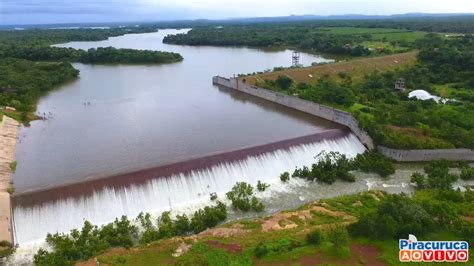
(177, 186)
(319, 110)
(345, 119)
(428, 155)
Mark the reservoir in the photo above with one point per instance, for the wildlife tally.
(125, 139)
(120, 118)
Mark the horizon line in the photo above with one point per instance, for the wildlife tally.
(315, 17)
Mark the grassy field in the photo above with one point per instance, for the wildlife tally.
(284, 232)
(378, 33)
(352, 30)
(400, 36)
(357, 68)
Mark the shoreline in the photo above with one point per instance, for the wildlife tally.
(9, 129)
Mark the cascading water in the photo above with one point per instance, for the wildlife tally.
(32, 223)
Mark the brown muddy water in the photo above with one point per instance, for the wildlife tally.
(154, 122)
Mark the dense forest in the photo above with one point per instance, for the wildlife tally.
(445, 67)
(342, 37)
(46, 37)
(35, 45)
(447, 24)
(414, 22)
(263, 35)
(107, 55)
(22, 82)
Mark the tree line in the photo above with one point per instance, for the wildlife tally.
(380, 216)
(30, 66)
(444, 23)
(273, 35)
(91, 239)
(22, 82)
(106, 55)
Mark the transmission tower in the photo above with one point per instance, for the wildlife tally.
(295, 58)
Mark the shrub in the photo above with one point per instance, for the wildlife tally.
(208, 217)
(468, 233)
(257, 205)
(261, 250)
(339, 237)
(330, 167)
(242, 198)
(285, 177)
(284, 244)
(375, 162)
(91, 240)
(438, 176)
(145, 220)
(302, 172)
(6, 249)
(467, 173)
(10, 189)
(284, 82)
(150, 232)
(166, 227)
(182, 225)
(419, 180)
(149, 235)
(120, 233)
(262, 186)
(397, 216)
(13, 166)
(314, 237)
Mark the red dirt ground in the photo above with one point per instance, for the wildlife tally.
(232, 248)
(361, 255)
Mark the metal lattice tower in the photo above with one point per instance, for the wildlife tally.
(295, 59)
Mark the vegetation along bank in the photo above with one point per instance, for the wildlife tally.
(30, 67)
(383, 108)
(362, 228)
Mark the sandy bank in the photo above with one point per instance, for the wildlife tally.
(8, 135)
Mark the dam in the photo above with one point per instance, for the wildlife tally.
(162, 189)
(161, 137)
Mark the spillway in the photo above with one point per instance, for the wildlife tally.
(176, 186)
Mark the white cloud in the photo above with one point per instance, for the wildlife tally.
(321, 7)
(58, 11)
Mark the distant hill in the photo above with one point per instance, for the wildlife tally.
(351, 17)
(250, 20)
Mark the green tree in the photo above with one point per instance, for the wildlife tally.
(262, 186)
(419, 180)
(371, 161)
(467, 173)
(182, 225)
(242, 197)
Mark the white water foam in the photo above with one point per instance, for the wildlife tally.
(183, 193)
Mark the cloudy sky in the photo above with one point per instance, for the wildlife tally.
(73, 11)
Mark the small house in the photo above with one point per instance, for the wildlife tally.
(400, 84)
